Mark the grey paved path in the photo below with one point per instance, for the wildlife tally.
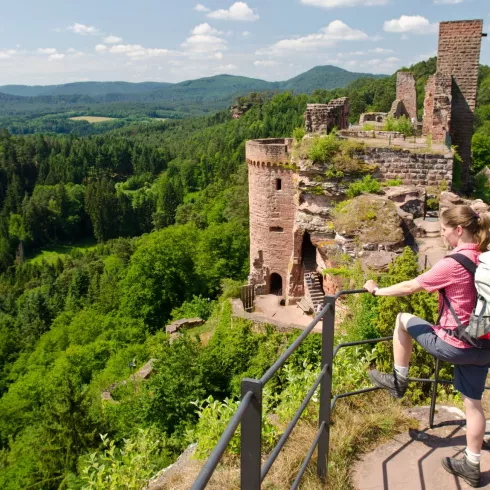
(411, 460)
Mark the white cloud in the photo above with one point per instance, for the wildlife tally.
(329, 4)
(410, 23)
(238, 11)
(82, 29)
(266, 63)
(381, 50)
(56, 57)
(201, 8)
(448, 2)
(47, 50)
(7, 53)
(112, 39)
(205, 39)
(245, 33)
(328, 36)
(218, 55)
(71, 50)
(133, 51)
(205, 29)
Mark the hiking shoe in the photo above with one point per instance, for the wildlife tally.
(468, 471)
(394, 382)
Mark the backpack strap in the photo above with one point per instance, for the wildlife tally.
(467, 263)
(470, 266)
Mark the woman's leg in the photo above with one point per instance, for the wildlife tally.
(402, 341)
(475, 424)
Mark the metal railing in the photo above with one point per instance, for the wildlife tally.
(249, 412)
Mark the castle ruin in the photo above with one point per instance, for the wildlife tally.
(291, 202)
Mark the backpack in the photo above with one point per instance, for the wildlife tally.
(477, 333)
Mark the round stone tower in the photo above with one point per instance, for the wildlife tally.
(272, 192)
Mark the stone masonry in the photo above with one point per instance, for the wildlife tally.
(272, 193)
(458, 56)
(438, 108)
(407, 93)
(322, 118)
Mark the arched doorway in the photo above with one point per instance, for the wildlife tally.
(276, 284)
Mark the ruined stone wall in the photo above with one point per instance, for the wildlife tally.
(458, 56)
(272, 193)
(429, 106)
(406, 92)
(412, 168)
(322, 118)
(376, 117)
(441, 118)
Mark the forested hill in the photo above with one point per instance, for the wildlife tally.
(327, 77)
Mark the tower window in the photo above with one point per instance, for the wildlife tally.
(276, 229)
(278, 184)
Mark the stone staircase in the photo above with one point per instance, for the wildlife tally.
(313, 290)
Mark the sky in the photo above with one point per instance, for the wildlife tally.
(62, 41)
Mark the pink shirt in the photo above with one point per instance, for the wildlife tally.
(458, 283)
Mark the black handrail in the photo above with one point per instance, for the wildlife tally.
(249, 412)
(275, 452)
(215, 457)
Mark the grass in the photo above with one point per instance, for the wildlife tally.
(358, 425)
(93, 119)
(203, 331)
(52, 254)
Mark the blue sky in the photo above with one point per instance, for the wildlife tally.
(61, 41)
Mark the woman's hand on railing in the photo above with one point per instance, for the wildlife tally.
(370, 286)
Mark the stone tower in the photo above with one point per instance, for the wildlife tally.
(272, 193)
(458, 56)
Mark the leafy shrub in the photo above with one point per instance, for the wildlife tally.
(366, 185)
(368, 127)
(298, 134)
(129, 467)
(197, 307)
(322, 149)
(392, 182)
(400, 125)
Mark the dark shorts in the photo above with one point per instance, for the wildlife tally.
(470, 365)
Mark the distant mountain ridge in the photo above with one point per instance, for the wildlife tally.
(220, 86)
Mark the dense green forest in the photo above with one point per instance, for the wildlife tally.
(165, 209)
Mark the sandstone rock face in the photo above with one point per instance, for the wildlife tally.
(409, 198)
(377, 261)
(369, 222)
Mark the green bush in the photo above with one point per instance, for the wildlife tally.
(366, 185)
(298, 134)
(400, 125)
(129, 467)
(322, 149)
(368, 127)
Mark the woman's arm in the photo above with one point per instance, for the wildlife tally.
(401, 289)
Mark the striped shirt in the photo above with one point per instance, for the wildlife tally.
(459, 285)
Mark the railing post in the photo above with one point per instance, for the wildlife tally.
(434, 395)
(326, 385)
(251, 437)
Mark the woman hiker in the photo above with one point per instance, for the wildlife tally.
(469, 233)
